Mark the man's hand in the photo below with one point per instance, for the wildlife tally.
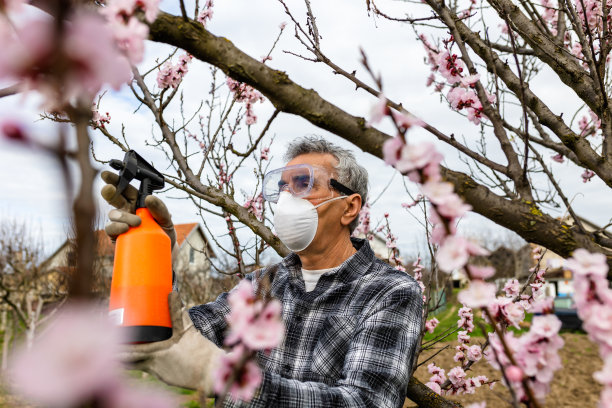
(123, 217)
(186, 360)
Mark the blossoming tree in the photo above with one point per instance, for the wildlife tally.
(483, 58)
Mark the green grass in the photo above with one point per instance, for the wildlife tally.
(191, 404)
(448, 324)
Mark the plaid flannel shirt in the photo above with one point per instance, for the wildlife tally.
(348, 343)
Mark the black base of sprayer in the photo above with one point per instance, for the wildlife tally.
(147, 334)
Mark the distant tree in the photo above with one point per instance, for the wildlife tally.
(27, 288)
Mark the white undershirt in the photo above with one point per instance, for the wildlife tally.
(312, 277)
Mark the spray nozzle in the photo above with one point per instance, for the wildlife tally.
(132, 167)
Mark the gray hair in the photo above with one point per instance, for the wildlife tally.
(350, 173)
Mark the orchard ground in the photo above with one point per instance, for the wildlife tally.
(573, 386)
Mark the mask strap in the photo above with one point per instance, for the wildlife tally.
(329, 201)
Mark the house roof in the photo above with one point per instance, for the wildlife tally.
(183, 230)
(105, 246)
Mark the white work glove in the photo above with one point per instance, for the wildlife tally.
(187, 359)
(123, 217)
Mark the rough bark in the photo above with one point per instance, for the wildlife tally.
(522, 217)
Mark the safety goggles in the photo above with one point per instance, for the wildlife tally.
(301, 180)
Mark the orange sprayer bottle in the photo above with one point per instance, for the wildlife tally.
(142, 271)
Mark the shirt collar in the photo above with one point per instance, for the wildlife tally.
(353, 268)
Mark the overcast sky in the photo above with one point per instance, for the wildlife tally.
(31, 184)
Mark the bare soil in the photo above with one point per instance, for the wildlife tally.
(572, 387)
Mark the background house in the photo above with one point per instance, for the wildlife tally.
(193, 264)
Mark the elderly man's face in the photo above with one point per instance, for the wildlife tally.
(329, 213)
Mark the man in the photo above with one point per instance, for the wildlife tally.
(352, 321)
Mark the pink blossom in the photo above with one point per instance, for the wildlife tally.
(583, 262)
(435, 387)
(258, 326)
(604, 376)
(95, 61)
(118, 11)
(392, 149)
(99, 120)
(455, 252)
(478, 294)
(122, 10)
(450, 67)
(7, 6)
(364, 220)
(14, 131)
(463, 337)
(435, 370)
(244, 93)
(171, 75)
(514, 313)
(282, 25)
(470, 80)
(243, 296)
(406, 120)
(379, 110)
(558, 158)
(255, 206)
(267, 330)
(130, 38)
(247, 380)
(71, 362)
(605, 400)
(514, 373)
(599, 324)
(550, 15)
(466, 320)
(481, 272)
(587, 175)
(436, 191)
(459, 356)
(91, 59)
(512, 288)
(415, 157)
(453, 207)
(150, 8)
(536, 353)
(544, 305)
(460, 98)
(452, 254)
(430, 79)
(456, 375)
(430, 325)
(205, 15)
(474, 353)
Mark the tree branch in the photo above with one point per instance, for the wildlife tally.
(523, 217)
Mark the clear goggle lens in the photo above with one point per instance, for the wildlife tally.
(298, 179)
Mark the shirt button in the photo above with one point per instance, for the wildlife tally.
(298, 319)
(286, 369)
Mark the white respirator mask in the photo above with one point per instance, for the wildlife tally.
(296, 220)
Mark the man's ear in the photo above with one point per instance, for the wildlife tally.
(353, 207)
